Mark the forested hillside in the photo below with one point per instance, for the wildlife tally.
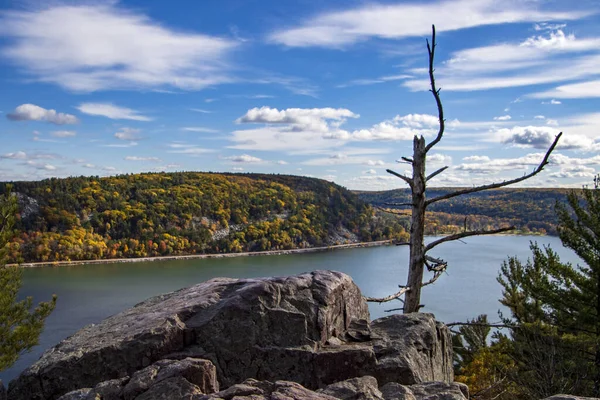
(529, 209)
(141, 215)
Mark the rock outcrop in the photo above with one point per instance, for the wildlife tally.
(312, 329)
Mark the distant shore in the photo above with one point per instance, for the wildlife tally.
(200, 256)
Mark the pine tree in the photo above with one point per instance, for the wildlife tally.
(556, 305)
(20, 323)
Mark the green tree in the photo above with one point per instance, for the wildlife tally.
(20, 323)
(556, 305)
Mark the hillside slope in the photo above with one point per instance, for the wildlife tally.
(529, 209)
(144, 215)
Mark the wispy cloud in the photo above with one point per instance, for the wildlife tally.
(199, 129)
(517, 64)
(111, 111)
(92, 47)
(63, 134)
(128, 134)
(394, 21)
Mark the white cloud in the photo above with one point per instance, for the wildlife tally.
(394, 21)
(578, 171)
(188, 149)
(201, 110)
(580, 90)
(128, 134)
(136, 158)
(418, 120)
(307, 117)
(63, 134)
(553, 102)
(476, 159)
(370, 172)
(282, 162)
(552, 122)
(502, 118)
(244, 158)
(19, 155)
(374, 163)
(111, 111)
(31, 112)
(516, 64)
(237, 169)
(199, 129)
(438, 158)
(91, 47)
(373, 81)
(541, 137)
(539, 117)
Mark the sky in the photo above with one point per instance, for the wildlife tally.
(330, 89)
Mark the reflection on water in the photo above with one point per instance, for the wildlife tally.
(87, 294)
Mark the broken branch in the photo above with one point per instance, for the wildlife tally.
(439, 171)
(536, 171)
(461, 235)
(404, 178)
(388, 298)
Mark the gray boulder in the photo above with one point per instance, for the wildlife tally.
(396, 391)
(232, 320)
(569, 397)
(411, 348)
(79, 394)
(363, 388)
(439, 391)
(252, 389)
(201, 373)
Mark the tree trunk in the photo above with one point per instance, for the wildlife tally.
(417, 229)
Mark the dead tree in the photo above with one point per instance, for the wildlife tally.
(419, 257)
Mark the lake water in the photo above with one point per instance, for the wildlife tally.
(89, 293)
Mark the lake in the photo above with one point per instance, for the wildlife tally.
(89, 293)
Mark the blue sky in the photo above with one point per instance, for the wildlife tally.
(331, 89)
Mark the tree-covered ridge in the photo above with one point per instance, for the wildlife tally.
(529, 209)
(141, 215)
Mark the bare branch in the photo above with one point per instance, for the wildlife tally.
(404, 178)
(536, 171)
(433, 279)
(408, 160)
(394, 309)
(457, 236)
(388, 298)
(435, 91)
(439, 171)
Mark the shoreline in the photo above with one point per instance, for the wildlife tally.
(201, 256)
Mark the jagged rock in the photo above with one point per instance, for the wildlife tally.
(439, 391)
(234, 321)
(109, 390)
(396, 391)
(363, 388)
(176, 388)
(79, 394)
(569, 397)
(411, 348)
(312, 329)
(252, 389)
(201, 373)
